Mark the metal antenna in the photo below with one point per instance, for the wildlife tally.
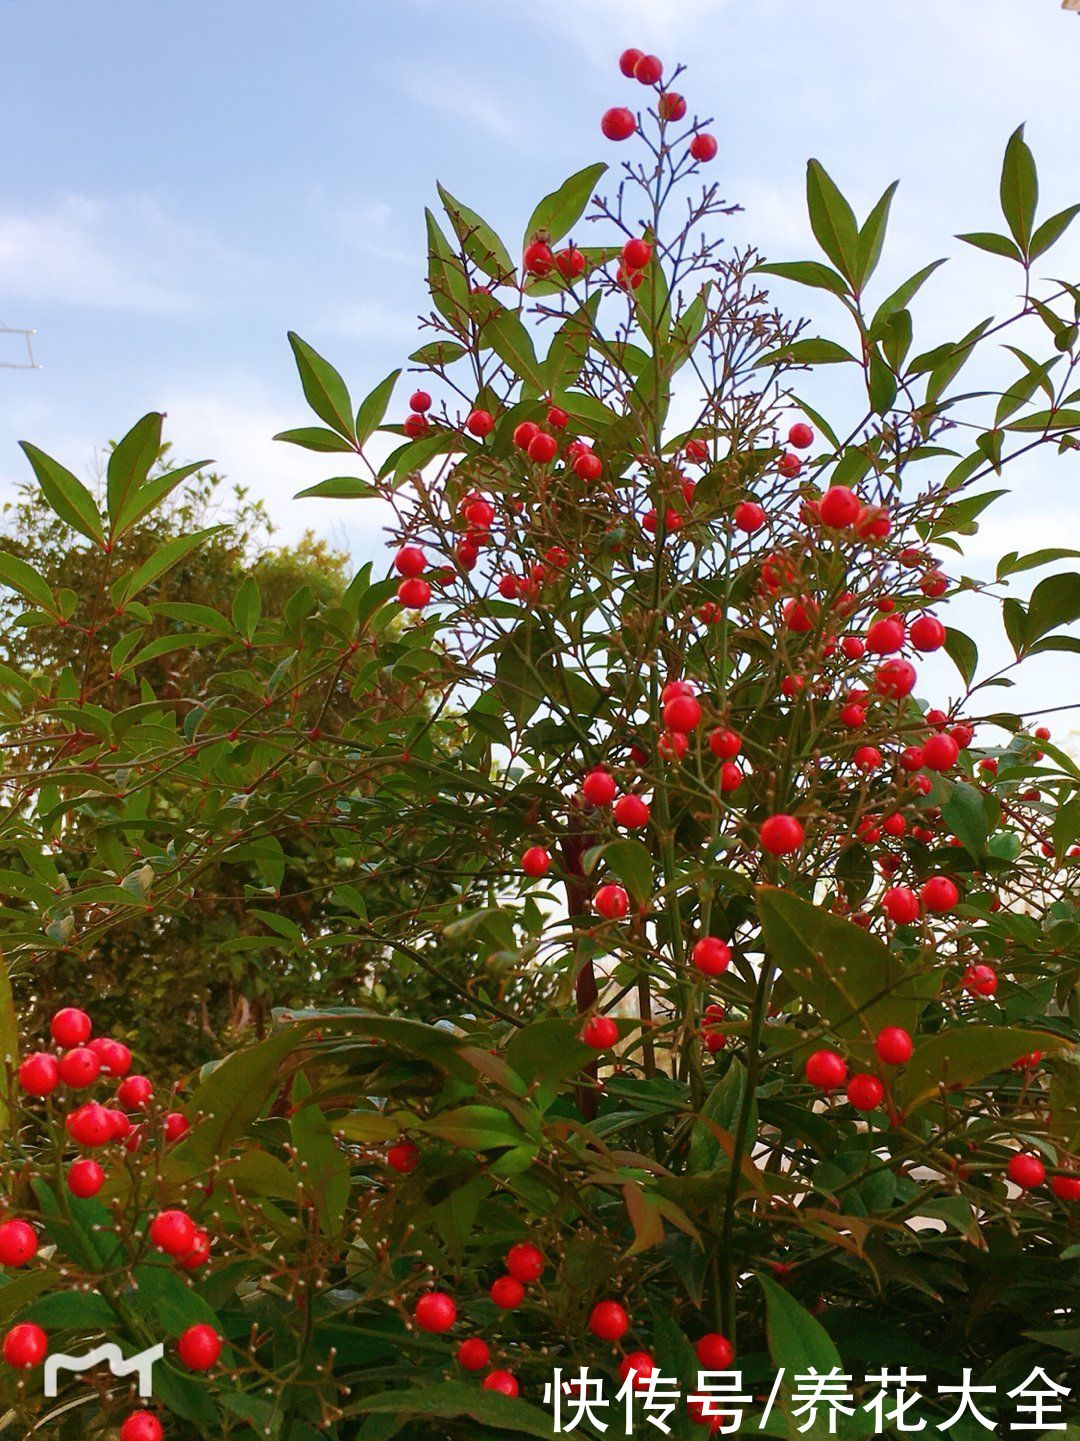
(29, 363)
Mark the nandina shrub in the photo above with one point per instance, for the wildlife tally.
(764, 962)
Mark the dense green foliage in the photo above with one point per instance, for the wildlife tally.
(316, 799)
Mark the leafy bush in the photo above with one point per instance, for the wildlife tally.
(735, 979)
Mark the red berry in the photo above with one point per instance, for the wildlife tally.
(901, 905)
(939, 752)
(410, 561)
(141, 1426)
(868, 758)
(714, 1352)
(199, 1347)
(199, 1253)
(18, 1243)
(502, 1381)
(865, 1092)
(980, 980)
(649, 69)
(895, 679)
(640, 1365)
(799, 615)
(853, 716)
(1066, 1187)
(893, 1046)
(403, 1157)
(789, 465)
(172, 1232)
(1026, 1171)
(134, 1092)
(703, 147)
(884, 637)
(853, 646)
(543, 447)
(731, 777)
(71, 1027)
(525, 1263)
(781, 834)
(588, 466)
(114, 1056)
(609, 1321)
(711, 956)
(507, 1293)
(91, 1125)
(933, 584)
(39, 1074)
(1042, 733)
(939, 894)
(535, 862)
(474, 1354)
(636, 254)
(479, 422)
(839, 507)
(682, 713)
(85, 1178)
(570, 262)
(611, 902)
(415, 425)
(600, 1033)
(826, 1070)
(800, 436)
(598, 788)
(672, 105)
(927, 633)
(628, 61)
(524, 434)
(79, 1067)
(538, 258)
(631, 812)
(176, 1125)
(420, 401)
(749, 516)
(725, 743)
(414, 594)
(618, 123)
(435, 1312)
(25, 1345)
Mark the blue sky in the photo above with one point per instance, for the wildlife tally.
(184, 183)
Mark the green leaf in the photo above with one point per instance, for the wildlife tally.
(797, 1343)
(159, 563)
(504, 1414)
(373, 408)
(446, 277)
(68, 497)
(1013, 563)
(629, 860)
(512, 343)
(9, 1036)
(231, 1097)
(559, 212)
(832, 221)
(872, 235)
(1054, 602)
(326, 1177)
(143, 500)
(812, 351)
(963, 652)
(965, 1054)
(1047, 420)
(1050, 231)
(324, 389)
(806, 272)
(994, 244)
(883, 386)
(479, 242)
(130, 462)
(965, 813)
(902, 296)
(341, 487)
(247, 607)
(17, 575)
(1019, 188)
(853, 981)
(314, 437)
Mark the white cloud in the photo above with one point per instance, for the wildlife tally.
(120, 254)
(461, 98)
